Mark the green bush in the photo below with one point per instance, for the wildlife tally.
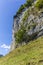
(20, 9)
(39, 4)
(29, 3)
(25, 16)
(19, 36)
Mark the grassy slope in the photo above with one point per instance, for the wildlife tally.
(30, 54)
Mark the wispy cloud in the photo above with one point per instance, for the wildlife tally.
(5, 46)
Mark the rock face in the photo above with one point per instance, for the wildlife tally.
(38, 28)
(16, 26)
(33, 17)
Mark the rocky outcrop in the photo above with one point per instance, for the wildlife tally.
(33, 17)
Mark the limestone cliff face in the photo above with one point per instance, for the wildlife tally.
(16, 26)
(17, 21)
(33, 17)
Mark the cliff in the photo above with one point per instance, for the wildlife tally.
(27, 36)
(28, 21)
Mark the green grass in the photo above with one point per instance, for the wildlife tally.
(30, 54)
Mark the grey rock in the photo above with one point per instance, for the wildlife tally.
(31, 18)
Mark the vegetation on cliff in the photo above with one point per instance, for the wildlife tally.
(32, 52)
(21, 35)
(39, 4)
(26, 5)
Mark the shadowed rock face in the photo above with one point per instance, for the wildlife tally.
(33, 17)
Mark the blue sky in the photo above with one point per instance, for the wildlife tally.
(8, 9)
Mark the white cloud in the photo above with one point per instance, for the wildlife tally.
(5, 46)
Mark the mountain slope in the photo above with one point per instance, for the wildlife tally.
(30, 54)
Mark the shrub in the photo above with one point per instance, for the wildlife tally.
(19, 36)
(29, 3)
(25, 18)
(39, 4)
(20, 9)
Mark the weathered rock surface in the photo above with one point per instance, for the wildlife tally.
(34, 17)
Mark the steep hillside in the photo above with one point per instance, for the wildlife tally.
(30, 54)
